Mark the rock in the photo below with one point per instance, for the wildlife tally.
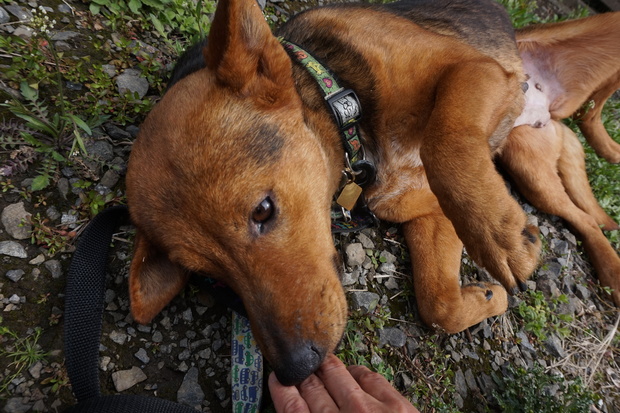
(157, 337)
(365, 241)
(142, 356)
(17, 405)
(35, 370)
(392, 284)
(64, 36)
(350, 278)
(109, 179)
(63, 8)
(118, 337)
(392, 336)
(39, 259)
(125, 379)
(68, 218)
(460, 384)
(100, 149)
(190, 393)
(63, 187)
(109, 70)
(364, 300)
(582, 292)
(525, 343)
(54, 267)
(554, 346)
(12, 249)
(24, 32)
(4, 16)
(52, 213)
(22, 13)
(15, 275)
(387, 257)
(559, 247)
(116, 133)
(16, 222)
(130, 81)
(355, 254)
(547, 286)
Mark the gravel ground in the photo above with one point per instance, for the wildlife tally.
(184, 354)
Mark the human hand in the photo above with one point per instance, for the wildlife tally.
(336, 388)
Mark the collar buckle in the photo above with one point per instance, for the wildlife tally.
(346, 108)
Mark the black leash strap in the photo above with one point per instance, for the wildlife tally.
(84, 303)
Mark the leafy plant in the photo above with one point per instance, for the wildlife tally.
(529, 391)
(540, 317)
(54, 240)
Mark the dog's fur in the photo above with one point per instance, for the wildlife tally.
(234, 170)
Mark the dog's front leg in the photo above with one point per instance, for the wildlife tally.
(471, 102)
(436, 256)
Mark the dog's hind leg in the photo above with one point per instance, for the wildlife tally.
(532, 157)
(592, 126)
(572, 170)
(436, 256)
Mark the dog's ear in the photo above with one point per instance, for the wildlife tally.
(154, 280)
(242, 50)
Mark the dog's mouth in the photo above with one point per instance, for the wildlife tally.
(292, 359)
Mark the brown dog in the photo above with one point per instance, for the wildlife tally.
(234, 171)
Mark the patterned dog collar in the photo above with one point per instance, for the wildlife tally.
(344, 104)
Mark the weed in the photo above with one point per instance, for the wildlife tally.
(540, 316)
(534, 390)
(52, 239)
(23, 352)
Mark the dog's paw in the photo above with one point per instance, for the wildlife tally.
(475, 303)
(508, 250)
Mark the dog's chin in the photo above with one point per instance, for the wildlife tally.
(294, 367)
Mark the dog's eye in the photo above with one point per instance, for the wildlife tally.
(264, 211)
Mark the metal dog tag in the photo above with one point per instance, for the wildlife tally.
(349, 195)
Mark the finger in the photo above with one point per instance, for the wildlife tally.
(339, 383)
(316, 395)
(378, 387)
(286, 399)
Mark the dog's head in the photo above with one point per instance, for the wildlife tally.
(226, 180)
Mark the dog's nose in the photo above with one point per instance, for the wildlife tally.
(295, 366)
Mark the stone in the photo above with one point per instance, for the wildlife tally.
(142, 356)
(52, 213)
(64, 36)
(4, 16)
(157, 337)
(553, 344)
(15, 275)
(460, 384)
(387, 257)
(54, 267)
(582, 292)
(365, 241)
(126, 379)
(392, 336)
(22, 13)
(63, 8)
(109, 179)
(109, 70)
(525, 343)
(100, 149)
(365, 301)
(16, 221)
(190, 393)
(39, 259)
(118, 337)
(130, 81)
(12, 249)
(35, 370)
(17, 405)
(24, 32)
(355, 254)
